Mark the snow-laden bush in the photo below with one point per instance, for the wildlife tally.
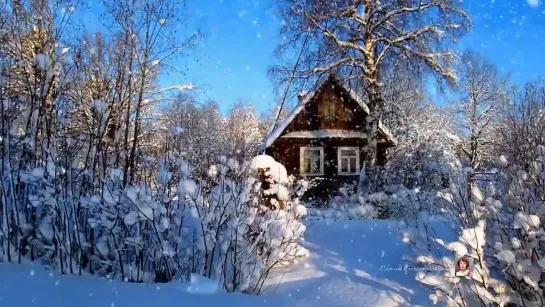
(345, 206)
(169, 227)
(394, 202)
(438, 241)
(501, 232)
(426, 154)
(424, 163)
(517, 234)
(405, 204)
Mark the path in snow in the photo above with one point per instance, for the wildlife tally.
(343, 270)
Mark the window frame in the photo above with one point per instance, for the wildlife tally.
(339, 158)
(302, 160)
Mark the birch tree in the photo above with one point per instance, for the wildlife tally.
(523, 124)
(356, 38)
(484, 94)
(242, 132)
(150, 31)
(33, 34)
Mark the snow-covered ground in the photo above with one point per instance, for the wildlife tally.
(344, 270)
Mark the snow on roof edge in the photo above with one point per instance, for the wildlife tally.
(387, 132)
(282, 125)
(325, 133)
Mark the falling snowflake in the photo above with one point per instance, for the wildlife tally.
(533, 3)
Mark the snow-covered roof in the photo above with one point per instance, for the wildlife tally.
(282, 125)
(326, 133)
(305, 98)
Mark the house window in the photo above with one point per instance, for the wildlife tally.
(312, 160)
(348, 161)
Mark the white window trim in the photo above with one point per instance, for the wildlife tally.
(339, 160)
(302, 164)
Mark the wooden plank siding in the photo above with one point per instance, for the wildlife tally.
(348, 115)
(286, 151)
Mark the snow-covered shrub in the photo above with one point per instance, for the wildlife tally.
(421, 167)
(174, 225)
(344, 206)
(423, 163)
(238, 236)
(402, 203)
(517, 232)
(425, 156)
(394, 202)
(500, 231)
(437, 241)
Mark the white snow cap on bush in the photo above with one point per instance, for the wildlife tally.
(523, 221)
(300, 211)
(458, 247)
(477, 194)
(276, 170)
(507, 256)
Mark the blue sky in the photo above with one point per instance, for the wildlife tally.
(240, 37)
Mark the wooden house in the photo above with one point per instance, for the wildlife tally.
(324, 135)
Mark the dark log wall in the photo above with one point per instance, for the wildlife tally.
(286, 151)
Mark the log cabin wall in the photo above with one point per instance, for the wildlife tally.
(286, 151)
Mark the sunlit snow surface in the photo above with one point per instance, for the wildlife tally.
(344, 269)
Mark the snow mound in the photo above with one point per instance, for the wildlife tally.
(202, 285)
